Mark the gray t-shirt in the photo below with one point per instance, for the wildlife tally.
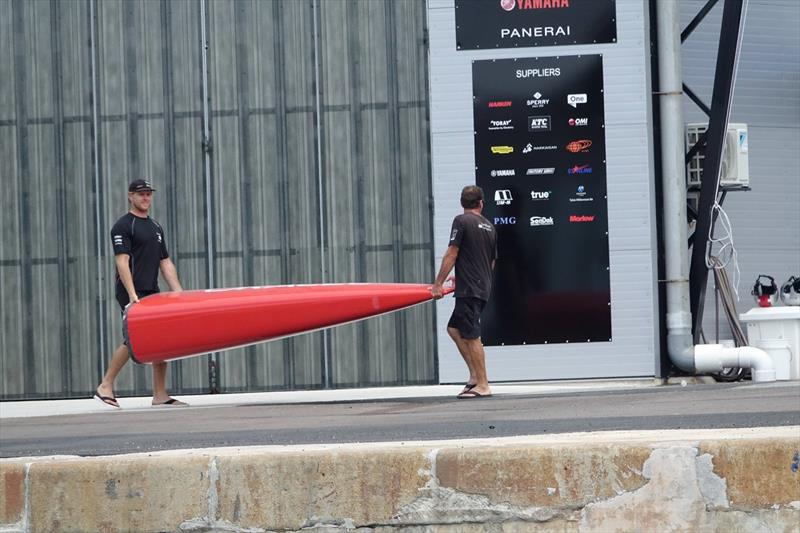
(476, 240)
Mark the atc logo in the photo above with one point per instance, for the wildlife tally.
(502, 197)
(578, 121)
(502, 149)
(505, 221)
(540, 123)
(503, 173)
(579, 146)
(500, 103)
(541, 221)
(579, 169)
(581, 218)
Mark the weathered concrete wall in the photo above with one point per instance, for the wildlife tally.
(721, 480)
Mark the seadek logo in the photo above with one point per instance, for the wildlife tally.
(578, 122)
(541, 221)
(500, 103)
(581, 218)
(502, 149)
(579, 146)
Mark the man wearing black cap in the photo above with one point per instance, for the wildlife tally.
(140, 252)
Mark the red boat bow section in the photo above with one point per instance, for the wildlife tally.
(174, 325)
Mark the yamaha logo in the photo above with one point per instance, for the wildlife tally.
(502, 173)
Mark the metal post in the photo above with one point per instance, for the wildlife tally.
(724, 77)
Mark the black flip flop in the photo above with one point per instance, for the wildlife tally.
(470, 394)
(468, 387)
(107, 400)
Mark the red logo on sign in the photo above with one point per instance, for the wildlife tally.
(500, 103)
(508, 5)
(579, 146)
(581, 218)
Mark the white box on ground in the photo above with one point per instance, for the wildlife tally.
(776, 330)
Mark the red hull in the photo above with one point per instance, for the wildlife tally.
(174, 325)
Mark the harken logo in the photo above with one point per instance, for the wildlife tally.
(579, 146)
(508, 5)
(541, 221)
(540, 171)
(500, 103)
(540, 195)
(502, 149)
(578, 121)
(581, 218)
(502, 173)
(537, 102)
(500, 125)
(540, 123)
(505, 221)
(538, 148)
(502, 197)
(579, 169)
(575, 99)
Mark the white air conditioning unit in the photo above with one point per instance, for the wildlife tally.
(735, 172)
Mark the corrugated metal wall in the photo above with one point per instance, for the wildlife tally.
(319, 172)
(766, 220)
(632, 244)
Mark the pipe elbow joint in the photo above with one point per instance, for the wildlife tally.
(681, 351)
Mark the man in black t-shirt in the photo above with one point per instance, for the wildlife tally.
(140, 252)
(472, 250)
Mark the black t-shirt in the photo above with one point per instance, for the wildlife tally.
(143, 240)
(477, 249)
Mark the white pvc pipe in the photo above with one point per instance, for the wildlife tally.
(715, 357)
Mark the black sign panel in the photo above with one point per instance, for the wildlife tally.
(482, 24)
(541, 162)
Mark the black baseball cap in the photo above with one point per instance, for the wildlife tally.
(140, 186)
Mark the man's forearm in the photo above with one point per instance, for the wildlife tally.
(448, 262)
(170, 274)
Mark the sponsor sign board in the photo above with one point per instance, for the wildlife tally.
(545, 187)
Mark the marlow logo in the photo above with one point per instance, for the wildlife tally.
(581, 218)
(502, 149)
(579, 146)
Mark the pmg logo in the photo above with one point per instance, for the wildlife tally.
(505, 221)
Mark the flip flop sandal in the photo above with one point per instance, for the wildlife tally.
(107, 400)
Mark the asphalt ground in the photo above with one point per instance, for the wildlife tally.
(395, 415)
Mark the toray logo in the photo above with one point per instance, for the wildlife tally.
(502, 197)
(505, 221)
(509, 5)
(579, 146)
(575, 99)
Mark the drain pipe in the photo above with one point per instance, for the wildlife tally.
(680, 343)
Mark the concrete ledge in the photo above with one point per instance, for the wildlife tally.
(720, 480)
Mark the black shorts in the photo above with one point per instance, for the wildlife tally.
(123, 299)
(466, 317)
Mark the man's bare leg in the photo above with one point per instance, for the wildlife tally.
(118, 360)
(463, 349)
(478, 357)
(160, 385)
